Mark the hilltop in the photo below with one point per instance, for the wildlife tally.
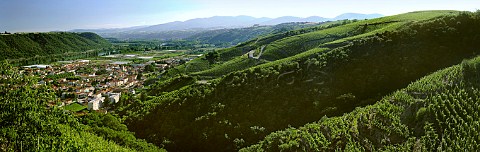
(192, 27)
(302, 76)
(282, 45)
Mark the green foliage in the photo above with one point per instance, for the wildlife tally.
(29, 123)
(101, 72)
(283, 45)
(150, 68)
(172, 84)
(446, 120)
(233, 59)
(111, 128)
(242, 107)
(84, 70)
(211, 57)
(33, 48)
(229, 37)
(59, 76)
(75, 107)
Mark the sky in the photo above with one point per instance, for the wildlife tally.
(61, 15)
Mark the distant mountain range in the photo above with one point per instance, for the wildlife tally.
(220, 22)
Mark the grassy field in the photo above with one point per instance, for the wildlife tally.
(75, 107)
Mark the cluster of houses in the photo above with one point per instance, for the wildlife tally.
(88, 88)
(96, 84)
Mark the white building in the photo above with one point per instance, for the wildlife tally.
(115, 97)
(96, 103)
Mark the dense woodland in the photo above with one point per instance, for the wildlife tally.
(34, 48)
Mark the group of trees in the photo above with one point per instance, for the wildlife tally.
(59, 76)
(211, 57)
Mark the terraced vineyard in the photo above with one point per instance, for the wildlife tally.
(328, 35)
(437, 113)
(292, 86)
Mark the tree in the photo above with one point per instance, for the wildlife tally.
(139, 76)
(150, 68)
(101, 72)
(212, 57)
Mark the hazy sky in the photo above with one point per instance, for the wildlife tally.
(49, 15)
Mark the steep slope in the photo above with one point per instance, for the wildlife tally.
(242, 107)
(28, 45)
(235, 56)
(332, 36)
(436, 113)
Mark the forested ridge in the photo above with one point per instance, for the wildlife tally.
(55, 45)
(231, 37)
(339, 75)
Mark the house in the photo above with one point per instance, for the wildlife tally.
(114, 97)
(93, 105)
(163, 66)
(96, 103)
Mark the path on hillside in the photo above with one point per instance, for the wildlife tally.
(251, 53)
(203, 82)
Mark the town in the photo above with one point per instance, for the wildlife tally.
(93, 84)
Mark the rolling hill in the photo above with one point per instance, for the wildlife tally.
(192, 27)
(232, 37)
(282, 45)
(47, 46)
(307, 74)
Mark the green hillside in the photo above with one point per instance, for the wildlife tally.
(436, 113)
(50, 46)
(201, 65)
(307, 77)
(330, 35)
(229, 37)
(28, 123)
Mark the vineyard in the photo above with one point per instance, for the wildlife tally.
(437, 113)
(287, 44)
(242, 107)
